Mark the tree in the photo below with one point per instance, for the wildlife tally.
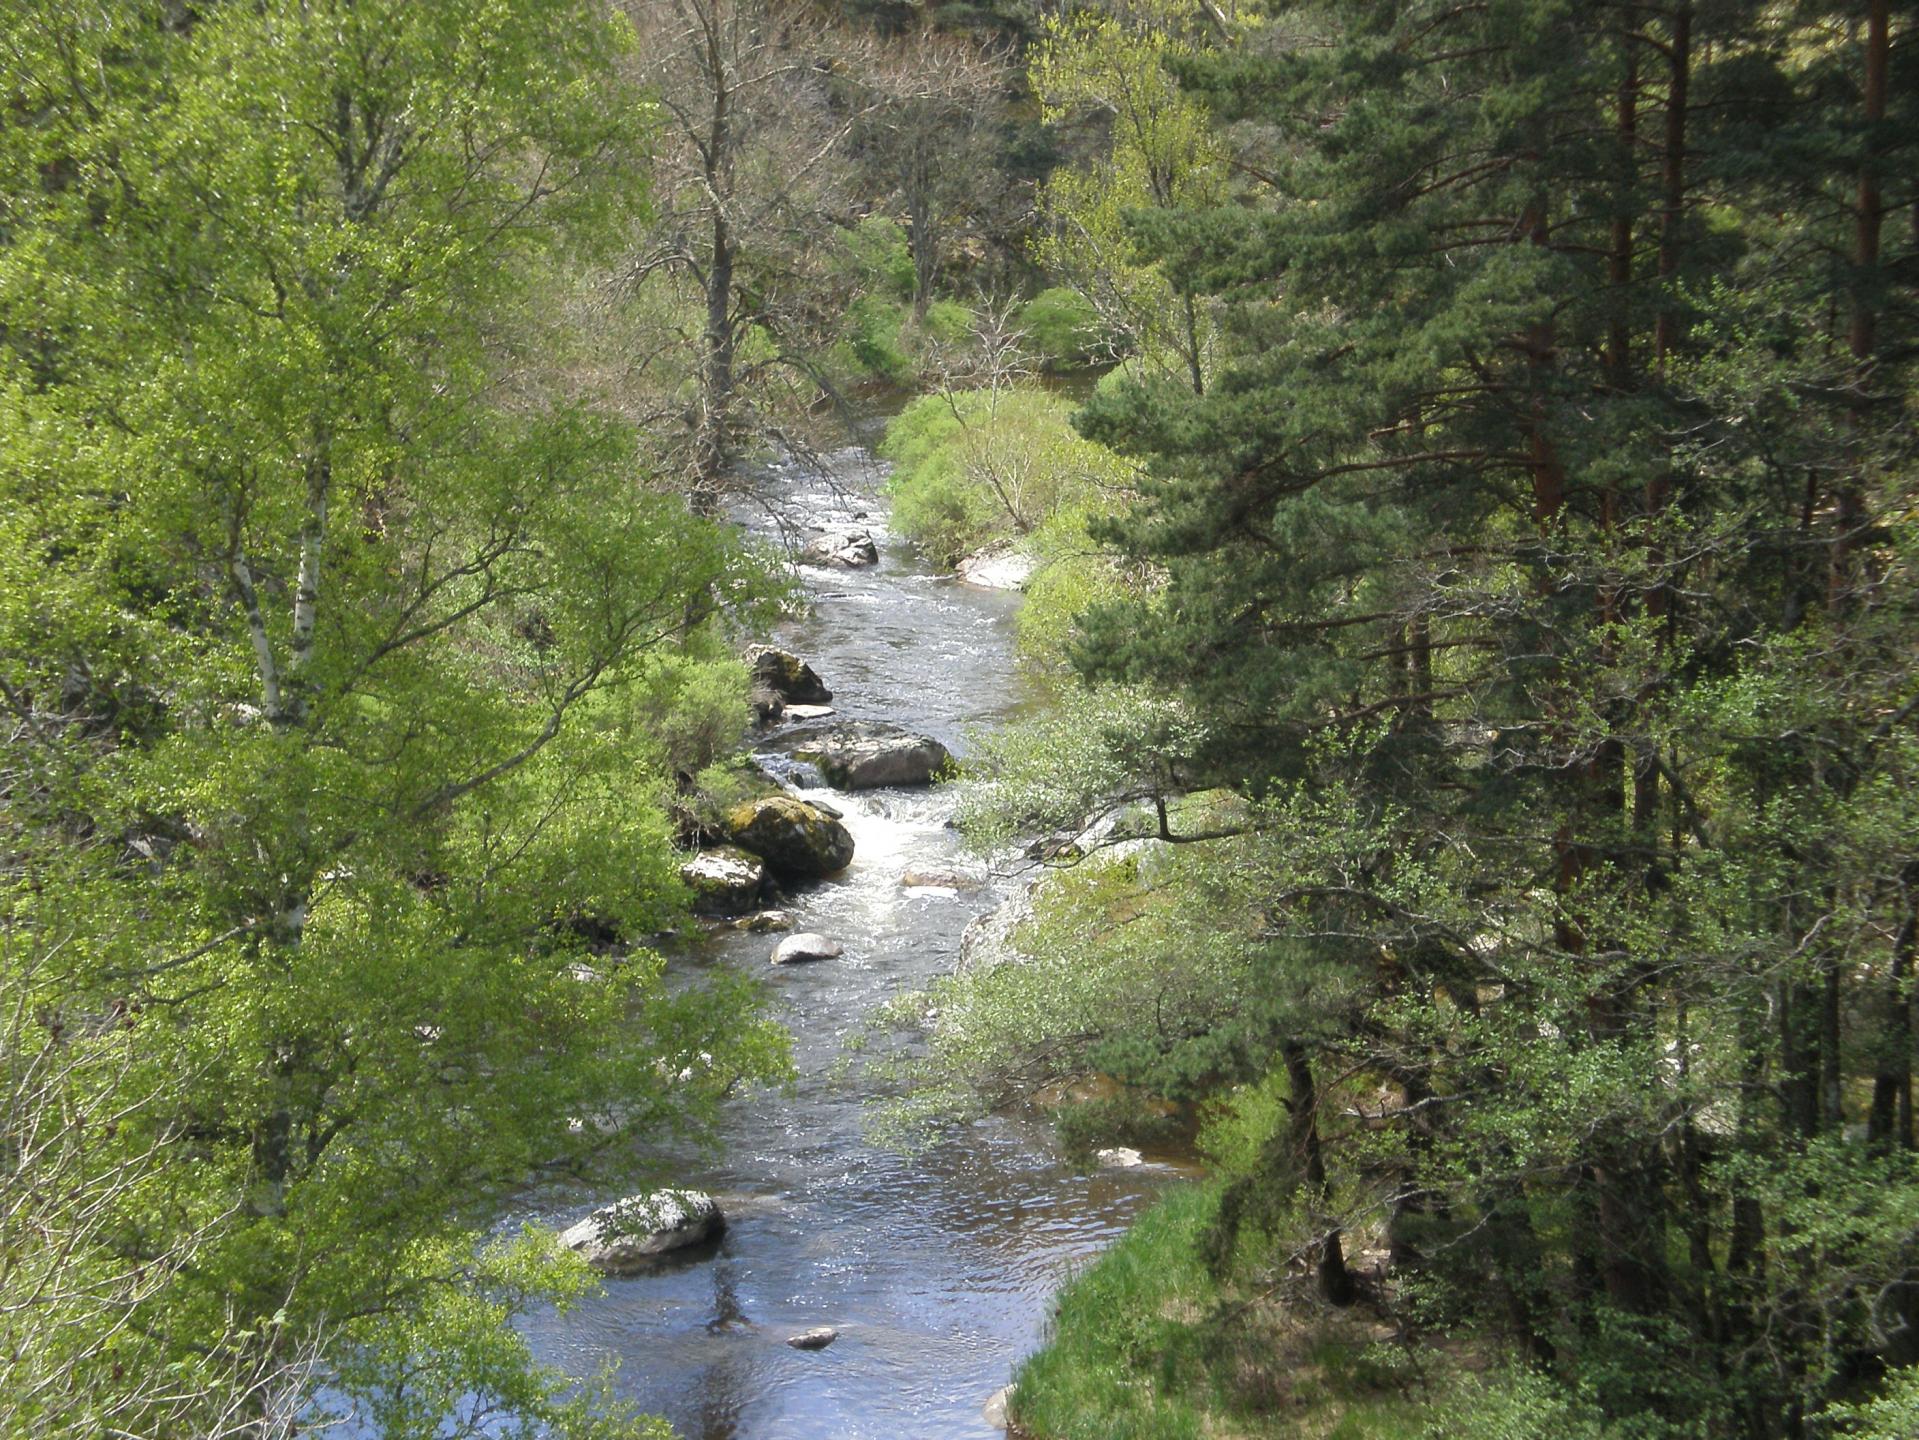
(749, 182)
(1160, 152)
(1532, 563)
(928, 138)
(327, 637)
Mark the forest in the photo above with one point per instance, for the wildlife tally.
(1461, 459)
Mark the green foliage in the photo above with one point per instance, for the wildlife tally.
(979, 465)
(1532, 554)
(875, 259)
(873, 342)
(352, 659)
(949, 322)
(1241, 1123)
(1162, 152)
(1062, 328)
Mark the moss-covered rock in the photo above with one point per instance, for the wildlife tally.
(724, 881)
(799, 841)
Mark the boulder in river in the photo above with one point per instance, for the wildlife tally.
(998, 567)
(1119, 1157)
(934, 879)
(807, 945)
(799, 841)
(998, 1410)
(846, 549)
(625, 1237)
(764, 923)
(787, 676)
(818, 1338)
(867, 754)
(724, 881)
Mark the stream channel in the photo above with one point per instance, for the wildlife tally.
(936, 1268)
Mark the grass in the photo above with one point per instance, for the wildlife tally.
(1138, 1351)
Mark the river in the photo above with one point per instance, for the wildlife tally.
(937, 1267)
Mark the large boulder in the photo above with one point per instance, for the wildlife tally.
(799, 841)
(867, 754)
(788, 677)
(724, 881)
(625, 1237)
(807, 945)
(845, 548)
(998, 567)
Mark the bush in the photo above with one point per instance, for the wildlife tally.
(1063, 330)
(875, 260)
(979, 466)
(873, 340)
(949, 322)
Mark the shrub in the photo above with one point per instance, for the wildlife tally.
(1062, 329)
(979, 466)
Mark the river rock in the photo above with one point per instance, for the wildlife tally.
(954, 880)
(847, 549)
(818, 1338)
(799, 841)
(1119, 1157)
(808, 712)
(625, 1237)
(724, 881)
(998, 567)
(787, 676)
(807, 945)
(998, 1409)
(867, 754)
(766, 922)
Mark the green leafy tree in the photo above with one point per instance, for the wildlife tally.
(330, 637)
(1160, 151)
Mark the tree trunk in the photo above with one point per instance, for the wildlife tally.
(1335, 1280)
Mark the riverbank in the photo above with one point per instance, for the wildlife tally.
(1147, 1345)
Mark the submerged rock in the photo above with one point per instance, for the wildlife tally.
(818, 1338)
(867, 754)
(807, 945)
(847, 549)
(625, 1237)
(799, 841)
(764, 923)
(724, 881)
(787, 676)
(998, 567)
(954, 880)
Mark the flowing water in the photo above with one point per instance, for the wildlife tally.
(936, 1268)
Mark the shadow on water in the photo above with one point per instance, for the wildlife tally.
(936, 1268)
